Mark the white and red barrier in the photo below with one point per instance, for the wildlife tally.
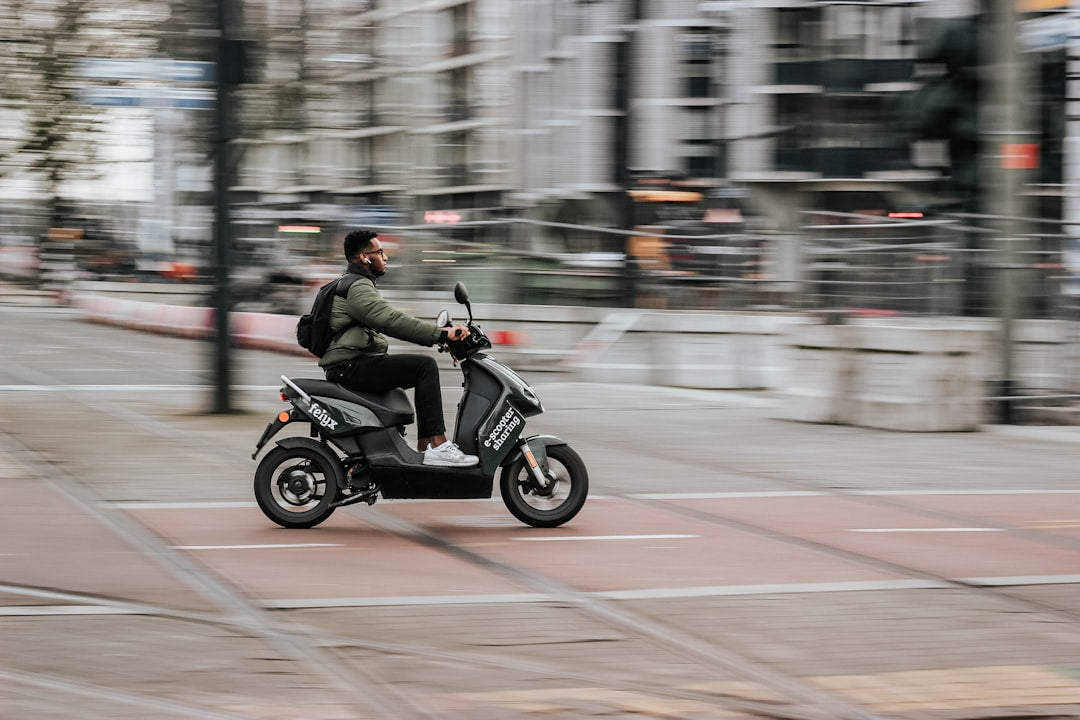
(266, 332)
(254, 330)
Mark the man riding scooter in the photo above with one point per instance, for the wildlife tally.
(358, 359)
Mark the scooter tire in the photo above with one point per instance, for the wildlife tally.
(533, 506)
(296, 477)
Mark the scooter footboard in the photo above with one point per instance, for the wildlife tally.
(400, 473)
(398, 482)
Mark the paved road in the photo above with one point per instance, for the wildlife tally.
(728, 564)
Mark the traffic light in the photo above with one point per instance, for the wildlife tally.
(946, 106)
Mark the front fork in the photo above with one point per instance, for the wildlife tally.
(534, 465)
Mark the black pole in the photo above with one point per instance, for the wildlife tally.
(221, 241)
(1009, 171)
(623, 151)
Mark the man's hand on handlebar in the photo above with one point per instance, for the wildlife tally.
(457, 332)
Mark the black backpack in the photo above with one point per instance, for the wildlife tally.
(313, 330)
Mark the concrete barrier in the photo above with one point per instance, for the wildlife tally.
(912, 374)
(924, 376)
(696, 350)
(691, 349)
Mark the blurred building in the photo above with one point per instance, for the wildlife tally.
(377, 104)
(479, 104)
(485, 105)
(393, 109)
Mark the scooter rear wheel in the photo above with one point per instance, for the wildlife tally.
(549, 506)
(295, 487)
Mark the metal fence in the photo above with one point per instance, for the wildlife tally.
(943, 266)
(837, 264)
(946, 266)
(852, 263)
(21, 227)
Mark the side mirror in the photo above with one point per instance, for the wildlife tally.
(461, 294)
(443, 320)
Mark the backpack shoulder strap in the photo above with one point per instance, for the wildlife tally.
(341, 289)
(344, 283)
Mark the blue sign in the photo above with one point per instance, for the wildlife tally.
(187, 71)
(373, 215)
(187, 99)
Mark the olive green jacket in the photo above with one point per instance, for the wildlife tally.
(369, 319)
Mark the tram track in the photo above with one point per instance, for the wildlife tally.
(316, 652)
(338, 647)
(373, 693)
(889, 501)
(29, 684)
(359, 684)
(362, 685)
(811, 702)
(865, 560)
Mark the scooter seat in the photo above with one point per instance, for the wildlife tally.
(392, 407)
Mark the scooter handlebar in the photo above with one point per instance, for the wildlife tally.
(474, 343)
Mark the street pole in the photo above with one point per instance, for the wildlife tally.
(1071, 213)
(623, 150)
(1012, 149)
(222, 365)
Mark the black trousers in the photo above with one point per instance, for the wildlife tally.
(379, 373)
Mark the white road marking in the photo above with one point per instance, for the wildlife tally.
(768, 589)
(291, 603)
(154, 505)
(495, 598)
(210, 505)
(823, 493)
(24, 610)
(1004, 491)
(665, 593)
(123, 388)
(926, 530)
(269, 546)
(726, 495)
(1023, 580)
(568, 538)
(647, 594)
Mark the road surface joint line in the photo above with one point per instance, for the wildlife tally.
(586, 538)
(927, 530)
(266, 546)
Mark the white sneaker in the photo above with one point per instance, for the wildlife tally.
(448, 455)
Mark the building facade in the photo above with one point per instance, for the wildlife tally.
(485, 107)
(481, 106)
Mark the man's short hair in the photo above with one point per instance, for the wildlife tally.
(356, 242)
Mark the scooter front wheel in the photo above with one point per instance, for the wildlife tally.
(295, 487)
(554, 504)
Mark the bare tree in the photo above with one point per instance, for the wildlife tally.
(51, 134)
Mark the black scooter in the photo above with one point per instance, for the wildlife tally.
(355, 449)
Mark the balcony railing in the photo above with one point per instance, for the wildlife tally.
(457, 110)
(837, 162)
(844, 73)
